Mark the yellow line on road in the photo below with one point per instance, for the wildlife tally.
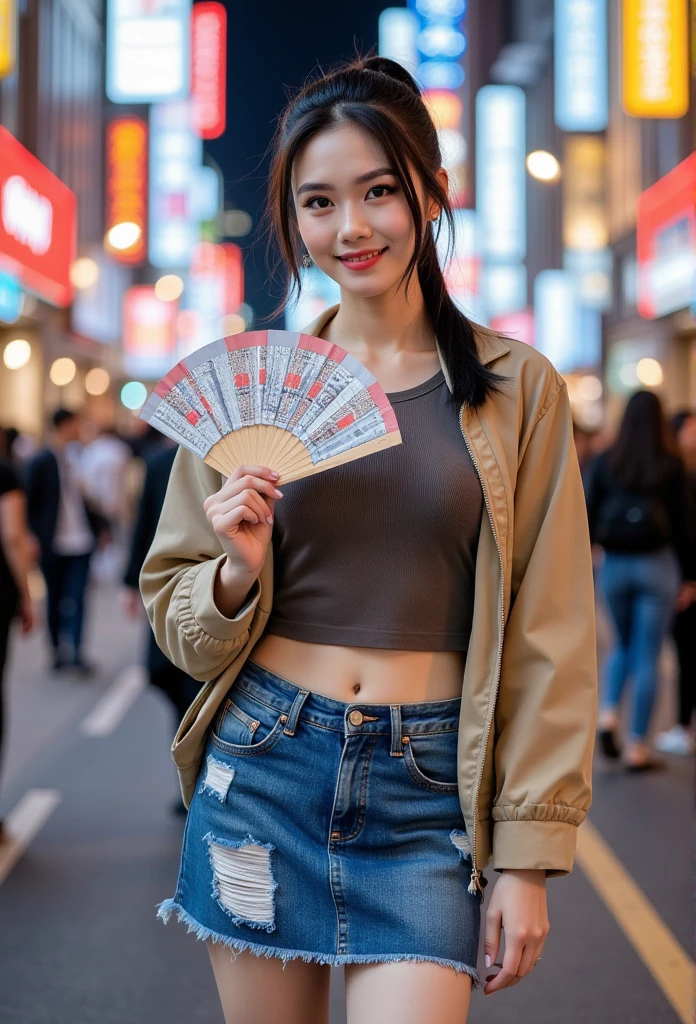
(655, 944)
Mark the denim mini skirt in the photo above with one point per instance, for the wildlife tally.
(328, 831)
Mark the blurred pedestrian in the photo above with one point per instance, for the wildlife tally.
(681, 738)
(179, 688)
(67, 530)
(15, 598)
(636, 502)
(584, 444)
(103, 465)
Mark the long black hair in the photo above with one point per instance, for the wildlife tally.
(643, 454)
(380, 97)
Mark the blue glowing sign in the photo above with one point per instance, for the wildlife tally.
(500, 172)
(580, 62)
(11, 298)
(175, 153)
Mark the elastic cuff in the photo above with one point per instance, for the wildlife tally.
(207, 614)
(534, 845)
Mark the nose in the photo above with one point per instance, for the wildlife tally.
(354, 225)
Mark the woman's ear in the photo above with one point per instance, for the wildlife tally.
(443, 180)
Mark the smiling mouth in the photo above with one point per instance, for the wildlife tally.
(362, 259)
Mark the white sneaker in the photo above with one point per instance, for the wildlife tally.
(676, 740)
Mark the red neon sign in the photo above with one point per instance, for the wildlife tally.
(208, 68)
(38, 223)
(126, 183)
(234, 277)
(666, 239)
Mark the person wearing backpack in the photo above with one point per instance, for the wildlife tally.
(636, 494)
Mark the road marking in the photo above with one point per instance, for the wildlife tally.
(23, 823)
(655, 944)
(109, 711)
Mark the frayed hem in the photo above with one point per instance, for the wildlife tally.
(169, 907)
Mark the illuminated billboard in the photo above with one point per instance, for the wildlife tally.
(655, 58)
(126, 183)
(666, 242)
(147, 50)
(580, 65)
(175, 152)
(208, 68)
(500, 172)
(149, 332)
(38, 223)
(398, 29)
(8, 36)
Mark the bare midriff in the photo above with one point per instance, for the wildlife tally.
(365, 675)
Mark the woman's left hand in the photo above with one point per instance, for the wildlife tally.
(518, 906)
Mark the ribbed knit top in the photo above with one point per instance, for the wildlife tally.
(381, 552)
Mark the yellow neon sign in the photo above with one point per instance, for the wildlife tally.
(8, 37)
(655, 58)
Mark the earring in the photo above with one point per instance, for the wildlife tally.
(307, 260)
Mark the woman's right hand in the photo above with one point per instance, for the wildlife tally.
(241, 514)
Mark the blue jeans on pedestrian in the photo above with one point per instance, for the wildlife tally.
(66, 579)
(640, 591)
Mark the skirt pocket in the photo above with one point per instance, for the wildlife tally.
(431, 760)
(246, 726)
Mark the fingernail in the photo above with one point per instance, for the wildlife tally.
(487, 960)
(274, 474)
(278, 494)
(269, 520)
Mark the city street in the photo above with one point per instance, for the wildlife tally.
(87, 788)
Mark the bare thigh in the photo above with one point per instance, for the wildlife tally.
(406, 993)
(257, 990)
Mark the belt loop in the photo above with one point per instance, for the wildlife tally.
(291, 724)
(395, 711)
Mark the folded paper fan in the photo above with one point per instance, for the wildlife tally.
(289, 401)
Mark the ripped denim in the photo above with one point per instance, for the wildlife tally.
(328, 831)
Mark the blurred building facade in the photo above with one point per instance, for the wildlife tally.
(52, 103)
(586, 221)
(588, 251)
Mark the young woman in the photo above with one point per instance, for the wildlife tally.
(637, 508)
(421, 696)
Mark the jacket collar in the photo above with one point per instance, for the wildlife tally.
(489, 344)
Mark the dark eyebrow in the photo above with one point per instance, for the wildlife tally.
(316, 186)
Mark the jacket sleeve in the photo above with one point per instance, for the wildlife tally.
(178, 577)
(547, 702)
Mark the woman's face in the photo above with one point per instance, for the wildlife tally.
(347, 203)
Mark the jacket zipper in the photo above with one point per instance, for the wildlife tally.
(475, 883)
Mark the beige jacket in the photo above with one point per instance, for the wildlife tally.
(529, 691)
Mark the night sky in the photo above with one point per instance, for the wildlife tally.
(273, 47)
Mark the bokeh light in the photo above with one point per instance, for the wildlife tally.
(17, 354)
(133, 395)
(97, 381)
(63, 371)
(233, 323)
(124, 235)
(649, 372)
(543, 166)
(169, 288)
(84, 272)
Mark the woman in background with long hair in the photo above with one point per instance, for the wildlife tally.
(636, 500)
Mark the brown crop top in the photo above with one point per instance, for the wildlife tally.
(381, 552)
